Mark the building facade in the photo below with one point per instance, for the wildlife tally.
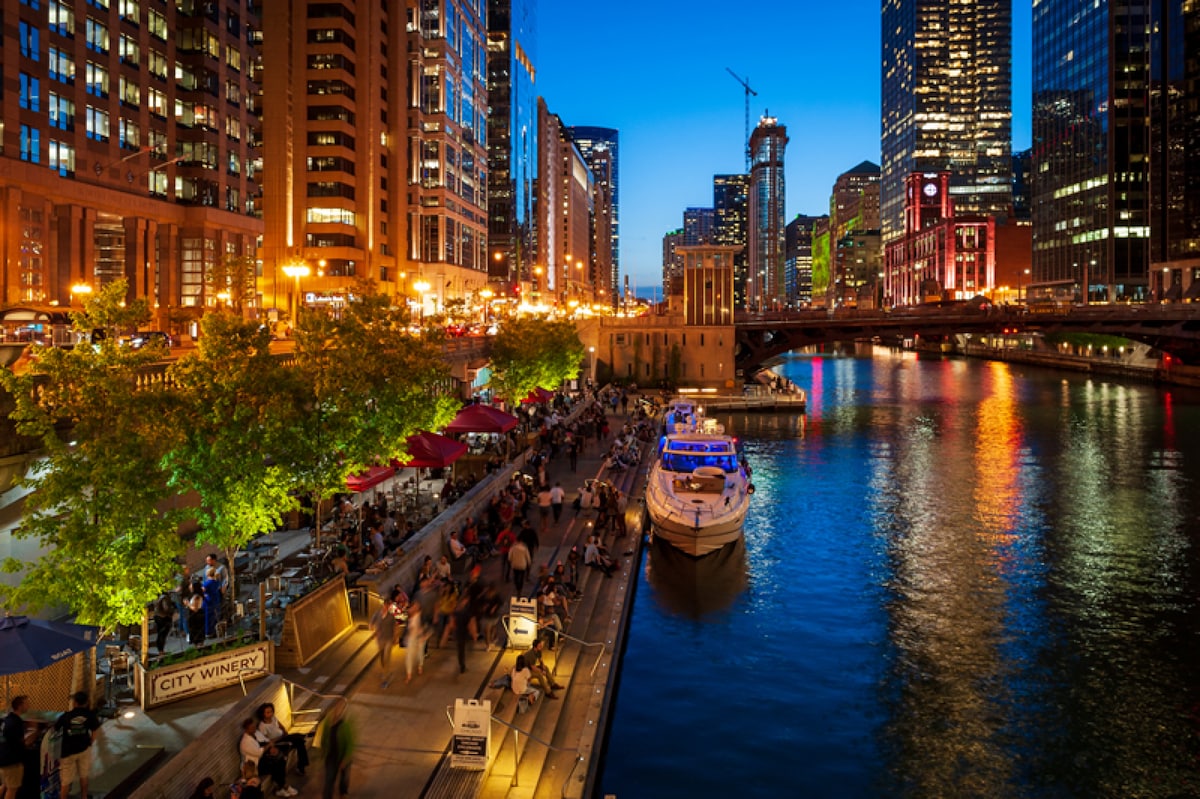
(128, 149)
(731, 195)
(591, 140)
(708, 284)
(672, 262)
(511, 138)
(698, 226)
(942, 255)
(1091, 144)
(765, 274)
(798, 260)
(947, 102)
(1175, 149)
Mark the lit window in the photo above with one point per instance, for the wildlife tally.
(97, 124)
(31, 93)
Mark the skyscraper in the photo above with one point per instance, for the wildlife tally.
(1090, 148)
(730, 205)
(128, 149)
(446, 127)
(672, 265)
(947, 102)
(511, 138)
(1175, 148)
(697, 226)
(589, 139)
(765, 280)
(334, 199)
(798, 259)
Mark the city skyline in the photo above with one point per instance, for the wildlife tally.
(682, 119)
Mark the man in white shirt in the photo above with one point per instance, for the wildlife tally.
(556, 500)
(544, 502)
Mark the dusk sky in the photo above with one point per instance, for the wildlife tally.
(656, 71)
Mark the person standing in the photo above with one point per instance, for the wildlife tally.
(338, 745)
(195, 617)
(212, 601)
(12, 748)
(79, 727)
(504, 542)
(164, 618)
(556, 500)
(383, 625)
(520, 560)
(544, 501)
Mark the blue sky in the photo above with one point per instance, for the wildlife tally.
(655, 70)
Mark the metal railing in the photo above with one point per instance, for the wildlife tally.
(582, 643)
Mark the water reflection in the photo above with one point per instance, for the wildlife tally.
(696, 587)
(963, 579)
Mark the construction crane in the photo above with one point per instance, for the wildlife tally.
(745, 85)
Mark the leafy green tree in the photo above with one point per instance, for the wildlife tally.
(100, 507)
(534, 353)
(360, 387)
(229, 420)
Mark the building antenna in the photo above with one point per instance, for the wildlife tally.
(745, 85)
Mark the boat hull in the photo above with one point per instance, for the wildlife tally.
(698, 541)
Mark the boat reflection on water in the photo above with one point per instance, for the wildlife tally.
(696, 587)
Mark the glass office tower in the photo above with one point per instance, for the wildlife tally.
(730, 195)
(765, 287)
(1175, 148)
(512, 138)
(947, 103)
(1090, 146)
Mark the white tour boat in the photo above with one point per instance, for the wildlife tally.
(699, 490)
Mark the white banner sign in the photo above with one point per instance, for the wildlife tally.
(472, 734)
(211, 673)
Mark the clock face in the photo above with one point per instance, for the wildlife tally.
(930, 189)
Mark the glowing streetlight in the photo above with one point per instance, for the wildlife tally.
(422, 288)
(80, 290)
(592, 353)
(487, 295)
(296, 271)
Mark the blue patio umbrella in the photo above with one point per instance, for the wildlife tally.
(30, 644)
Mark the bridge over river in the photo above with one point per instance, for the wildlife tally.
(1173, 329)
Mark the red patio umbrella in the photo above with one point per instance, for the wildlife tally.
(430, 451)
(538, 395)
(481, 419)
(369, 479)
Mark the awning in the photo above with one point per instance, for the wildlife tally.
(430, 451)
(369, 479)
(481, 419)
(538, 395)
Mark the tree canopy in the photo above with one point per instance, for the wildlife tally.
(535, 353)
(101, 506)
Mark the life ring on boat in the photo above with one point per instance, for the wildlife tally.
(708, 471)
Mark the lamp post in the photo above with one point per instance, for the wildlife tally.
(487, 295)
(1021, 290)
(421, 287)
(296, 271)
(592, 353)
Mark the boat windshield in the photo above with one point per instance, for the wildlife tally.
(675, 461)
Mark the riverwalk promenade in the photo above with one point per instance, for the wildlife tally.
(404, 728)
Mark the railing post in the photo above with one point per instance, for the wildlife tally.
(516, 756)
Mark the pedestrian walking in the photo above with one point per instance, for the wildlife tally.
(79, 726)
(520, 560)
(556, 501)
(383, 625)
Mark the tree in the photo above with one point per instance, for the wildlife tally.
(360, 387)
(100, 500)
(229, 422)
(534, 353)
(235, 275)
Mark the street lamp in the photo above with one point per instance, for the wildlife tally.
(296, 271)
(487, 295)
(80, 290)
(592, 353)
(421, 287)
(1020, 286)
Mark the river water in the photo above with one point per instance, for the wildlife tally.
(959, 578)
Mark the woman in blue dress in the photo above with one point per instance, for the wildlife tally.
(212, 602)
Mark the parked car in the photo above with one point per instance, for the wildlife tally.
(145, 338)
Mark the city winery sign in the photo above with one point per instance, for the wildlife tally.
(172, 683)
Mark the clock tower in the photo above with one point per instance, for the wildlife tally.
(927, 200)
